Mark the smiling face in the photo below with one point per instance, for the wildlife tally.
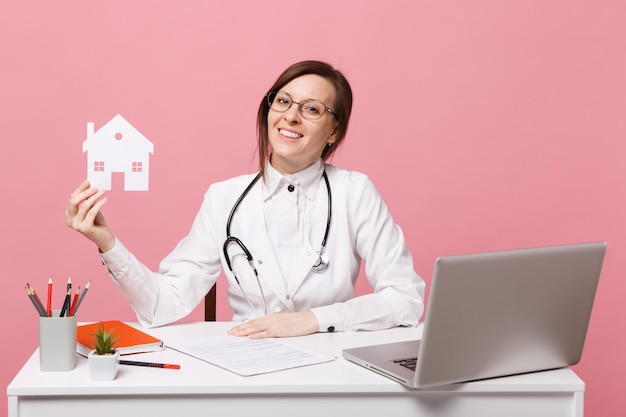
(297, 142)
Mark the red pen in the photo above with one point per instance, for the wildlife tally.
(49, 306)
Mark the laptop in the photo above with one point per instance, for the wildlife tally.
(496, 314)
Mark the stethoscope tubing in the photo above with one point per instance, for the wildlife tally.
(320, 265)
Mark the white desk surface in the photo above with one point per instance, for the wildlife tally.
(203, 380)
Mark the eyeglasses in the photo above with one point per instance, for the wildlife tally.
(309, 109)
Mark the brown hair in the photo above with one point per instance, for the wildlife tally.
(342, 106)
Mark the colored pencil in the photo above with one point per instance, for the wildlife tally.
(82, 295)
(74, 301)
(49, 307)
(38, 306)
(66, 304)
(150, 364)
(37, 300)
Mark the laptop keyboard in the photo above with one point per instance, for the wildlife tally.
(407, 363)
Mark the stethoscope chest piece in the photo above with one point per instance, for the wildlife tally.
(321, 264)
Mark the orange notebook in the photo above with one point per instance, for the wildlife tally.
(129, 339)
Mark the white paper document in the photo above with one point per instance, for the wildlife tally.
(248, 357)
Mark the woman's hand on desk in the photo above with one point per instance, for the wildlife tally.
(83, 215)
(278, 325)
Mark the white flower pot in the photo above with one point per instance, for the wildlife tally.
(103, 367)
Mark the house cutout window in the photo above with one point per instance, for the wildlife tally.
(137, 166)
(98, 166)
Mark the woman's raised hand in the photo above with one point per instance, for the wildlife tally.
(83, 215)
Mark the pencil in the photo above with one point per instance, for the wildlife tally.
(40, 306)
(82, 295)
(150, 364)
(73, 307)
(40, 310)
(66, 304)
(49, 307)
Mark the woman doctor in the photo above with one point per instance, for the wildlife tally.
(290, 239)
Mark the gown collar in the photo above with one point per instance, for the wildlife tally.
(308, 179)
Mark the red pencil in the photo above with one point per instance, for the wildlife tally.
(73, 307)
(49, 306)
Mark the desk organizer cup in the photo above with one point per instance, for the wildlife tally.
(57, 342)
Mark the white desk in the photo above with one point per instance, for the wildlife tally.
(329, 389)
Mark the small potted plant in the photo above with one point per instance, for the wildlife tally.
(104, 358)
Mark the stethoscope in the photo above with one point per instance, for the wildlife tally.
(320, 265)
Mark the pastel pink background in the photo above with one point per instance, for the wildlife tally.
(485, 125)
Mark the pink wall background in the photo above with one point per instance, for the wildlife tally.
(486, 125)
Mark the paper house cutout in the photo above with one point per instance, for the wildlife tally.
(117, 147)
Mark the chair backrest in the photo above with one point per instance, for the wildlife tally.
(210, 304)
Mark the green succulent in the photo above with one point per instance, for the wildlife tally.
(104, 341)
